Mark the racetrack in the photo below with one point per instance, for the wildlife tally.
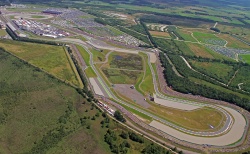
(234, 135)
(175, 104)
(239, 119)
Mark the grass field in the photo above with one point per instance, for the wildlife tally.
(99, 56)
(160, 34)
(186, 35)
(245, 58)
(209, 38)
(146, 84)
(117, 76)
(195, 120)
(52, 59)
(126, 61)
(123, 68)
(219, 71)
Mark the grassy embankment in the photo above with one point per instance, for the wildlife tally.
(52, 59)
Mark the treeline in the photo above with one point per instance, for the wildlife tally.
(148, 34)
(186, 86)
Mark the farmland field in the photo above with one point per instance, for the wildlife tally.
(200, 51)
(209, 38)
(52, 59)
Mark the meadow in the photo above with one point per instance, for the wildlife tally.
(219, 71)
(209, 38)
(52, 59)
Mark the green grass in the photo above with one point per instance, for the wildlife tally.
(3, 32)
(52, 59)
(245, 58)
(147, 85)
(219, 71)
(186, 35)
(90, 72)
(85, 54)
(99, 56)
(209, 38)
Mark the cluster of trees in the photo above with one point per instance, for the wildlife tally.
(184, 85)
(136, 138)
(215, 29)
(153, 148)
(119, 116)
(111, 138)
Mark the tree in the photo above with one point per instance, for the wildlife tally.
(119, 116)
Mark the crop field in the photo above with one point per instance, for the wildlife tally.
(233, 42)
(242, 78)
(209, 38)
(160, 34)
(52, 59)
(245, 58)
(219, 71)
